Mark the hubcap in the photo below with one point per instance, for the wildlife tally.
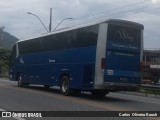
(20, 81)
(64, 86)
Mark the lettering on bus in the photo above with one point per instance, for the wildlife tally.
(124, 35)
(124, 46)
(52, 61)
(21, 60)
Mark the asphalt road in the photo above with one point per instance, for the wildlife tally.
(36, 98)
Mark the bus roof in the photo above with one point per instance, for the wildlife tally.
(111, 21)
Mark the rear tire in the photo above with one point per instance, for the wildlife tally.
(64, 86)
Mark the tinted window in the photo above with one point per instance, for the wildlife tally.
(87, 36)
(126, 34)
(56, 42)
(124, 38)
(13, 54)
(29, 46)
(83, 37)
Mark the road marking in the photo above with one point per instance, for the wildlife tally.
(135, 99)
(77, 100)
(144, 101)
(18, 118)
(103, 106)
(106, 106)
(2, 109)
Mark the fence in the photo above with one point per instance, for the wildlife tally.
(150, 89)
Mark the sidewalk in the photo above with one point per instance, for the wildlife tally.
(4, 78)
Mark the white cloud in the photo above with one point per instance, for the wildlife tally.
(155, 1)
(16, 20)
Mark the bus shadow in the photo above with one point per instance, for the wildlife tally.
(106, 98)
(82, 95)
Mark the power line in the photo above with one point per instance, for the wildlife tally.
(141, 7)
(134, 11)
(125, 6)
(118, 8)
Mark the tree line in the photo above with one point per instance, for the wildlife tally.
(4, 61)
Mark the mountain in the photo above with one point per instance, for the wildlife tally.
(7, 40)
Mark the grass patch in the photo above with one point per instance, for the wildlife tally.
(150, 91)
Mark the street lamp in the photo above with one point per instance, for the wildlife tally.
(38, 19)
(61, 22)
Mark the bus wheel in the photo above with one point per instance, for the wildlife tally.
(64, 87)
(19, 81)
(99, 93)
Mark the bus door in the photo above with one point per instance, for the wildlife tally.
(123, 51)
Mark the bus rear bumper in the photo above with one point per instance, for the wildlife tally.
(113, 87)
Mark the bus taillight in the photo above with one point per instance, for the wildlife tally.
(103, 62)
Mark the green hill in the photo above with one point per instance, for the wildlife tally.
(7, 40)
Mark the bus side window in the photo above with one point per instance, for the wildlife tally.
(13, 55)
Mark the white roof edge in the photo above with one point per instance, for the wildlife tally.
(78, 26)
(65, 29)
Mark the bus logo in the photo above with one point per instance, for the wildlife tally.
(21, 60)
(123, 34)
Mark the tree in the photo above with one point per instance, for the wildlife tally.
(4, 60)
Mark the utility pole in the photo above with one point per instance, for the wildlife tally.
(50, 23)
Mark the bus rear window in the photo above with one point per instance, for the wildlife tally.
(124, 37)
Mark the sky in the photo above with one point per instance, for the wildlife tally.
(16, 21)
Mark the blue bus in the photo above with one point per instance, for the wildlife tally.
(99, 58)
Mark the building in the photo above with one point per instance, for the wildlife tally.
(151, 66)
